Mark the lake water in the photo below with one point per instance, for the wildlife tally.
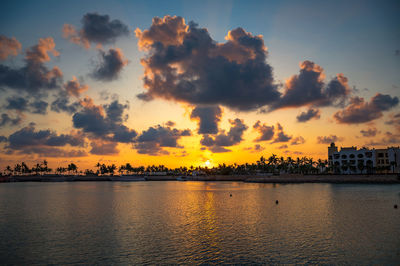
(198, 222)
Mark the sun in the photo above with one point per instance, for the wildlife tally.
(207, 163)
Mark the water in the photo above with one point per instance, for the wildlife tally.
(198, 222)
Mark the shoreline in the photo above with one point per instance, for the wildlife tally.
(282, 179)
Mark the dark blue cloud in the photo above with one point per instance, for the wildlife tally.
(153, 140)
(265, 132)
(360, 111)
(97, 29)
(328, 139)
(208, 118)
(48, 143)
(309, 88)
(110, 65)
(107, 126)
(21, 104)
(220, 142)
(184, 64)
(34, 77)
(308, 115)
(6, 120)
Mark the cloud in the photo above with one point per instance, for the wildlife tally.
(9, 47)
(389, 139)
(153, 140)
(40, 52)
(6, 120)
(310, 114)
(298, 140)
(145, 97)
(328, 139)
(266, 132)
(39, 107)
(62, 104)
(29, 136)
(309, 88)
(280, 136)
(370, 132)
(17, 103)
(100, 147)
(284, 146)
(168, 31)
(183, 63)
(34, 77)
(359, 111)
(74, 88)
(54, 152)
(256, 148)
(97, 29)
(170, 123)
(28, 140)
(208, 118)
(394, 121)
(104, 122)
(222, 140)
(110, 65)
(20, 104)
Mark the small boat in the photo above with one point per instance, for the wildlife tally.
(181, 178)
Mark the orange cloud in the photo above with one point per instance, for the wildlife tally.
(74, 88)
(88, 103)
(168, 30)
(9, 46)
(40, 52)
(70, 33)
(238, 48)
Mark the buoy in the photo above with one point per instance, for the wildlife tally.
(395, 206)
(230, 195)
(276, 202)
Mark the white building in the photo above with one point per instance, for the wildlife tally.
(350, 160)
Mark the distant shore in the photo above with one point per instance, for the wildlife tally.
(283, 178)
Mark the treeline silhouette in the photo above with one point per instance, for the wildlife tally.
(272, 164)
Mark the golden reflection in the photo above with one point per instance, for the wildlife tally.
(200, 208)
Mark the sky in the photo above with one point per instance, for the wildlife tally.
(201, 83)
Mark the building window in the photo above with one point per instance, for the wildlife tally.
(368, 154)
(344, 156)
(352, 156)
(352, 161)
(360, 156)
(380, 155)
(336, 156)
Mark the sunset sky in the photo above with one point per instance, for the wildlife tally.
(186, 82)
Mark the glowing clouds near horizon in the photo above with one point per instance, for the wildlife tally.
(360, 111)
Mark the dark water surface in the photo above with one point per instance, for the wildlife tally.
(198, 222)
